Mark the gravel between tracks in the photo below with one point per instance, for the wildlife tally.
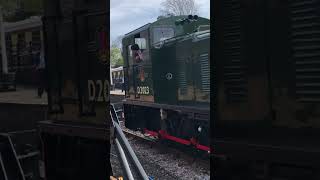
(161, 163)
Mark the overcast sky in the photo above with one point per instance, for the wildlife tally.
(127, 15)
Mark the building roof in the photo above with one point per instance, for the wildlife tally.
(117, 69)
(32, 22)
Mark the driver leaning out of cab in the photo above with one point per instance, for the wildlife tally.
(137, 54)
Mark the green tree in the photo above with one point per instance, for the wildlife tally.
(116, 56)
(117, 41)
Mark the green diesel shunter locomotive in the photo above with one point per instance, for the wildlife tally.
(167, 79)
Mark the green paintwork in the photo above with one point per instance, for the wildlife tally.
(175, 56)
(187, 58)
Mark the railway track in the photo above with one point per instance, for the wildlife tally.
(191, 155)
(161, 159)
(154, 141)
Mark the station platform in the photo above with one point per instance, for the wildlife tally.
(21, 109)
(20, 112)
(117, 92)
(116, 96)
(23, 95)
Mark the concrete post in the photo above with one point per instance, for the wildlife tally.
(3, 45)
(111, 81)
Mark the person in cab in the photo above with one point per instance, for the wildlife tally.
(136, 53)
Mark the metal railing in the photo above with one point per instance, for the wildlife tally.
(124, 149)
(18, 156)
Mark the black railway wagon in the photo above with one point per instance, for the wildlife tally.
(75, 136)
(267, 84)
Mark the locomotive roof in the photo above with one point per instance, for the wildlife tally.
(196, 36)
(142, 28)
(163, 21)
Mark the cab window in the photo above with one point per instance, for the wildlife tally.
(162, 33)
(141, 42)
